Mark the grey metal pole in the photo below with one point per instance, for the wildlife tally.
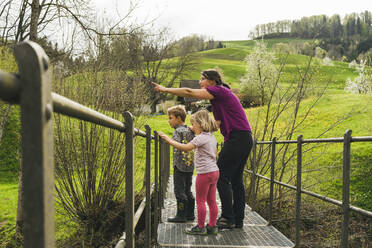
(129, 180)
(37, 145)
(253, 183)
(346, 190)
(148, 187)
(156, 161)
(298, 186)
(272, 180)
(161, 175)
(168, 163)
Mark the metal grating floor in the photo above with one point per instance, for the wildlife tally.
(254, 234)
(172, 235)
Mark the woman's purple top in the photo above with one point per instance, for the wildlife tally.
(227, 108)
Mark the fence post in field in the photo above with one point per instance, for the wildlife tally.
(148, 187)
(253, 182)
(129, 180)
(346, 190)
(37, 145)
(272, 177)
(298, 187)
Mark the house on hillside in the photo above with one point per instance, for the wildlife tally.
(189, 102)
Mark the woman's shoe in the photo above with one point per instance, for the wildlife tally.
(224, 223)
(239, 225)
(196, 230)
(212, 229)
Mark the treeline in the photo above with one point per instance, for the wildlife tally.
(346, 37)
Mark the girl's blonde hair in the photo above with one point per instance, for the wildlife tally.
(204, 120)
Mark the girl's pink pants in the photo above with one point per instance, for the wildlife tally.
(205, 187)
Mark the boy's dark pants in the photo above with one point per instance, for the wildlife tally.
(182, 182)
(231, 161)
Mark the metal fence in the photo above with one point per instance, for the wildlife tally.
(344, 204)
(31, 89)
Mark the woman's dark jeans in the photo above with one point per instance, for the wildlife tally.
(231, 161)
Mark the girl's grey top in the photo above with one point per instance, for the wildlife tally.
(205, 153)
(183, 160)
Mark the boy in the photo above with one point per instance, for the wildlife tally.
(183, 166)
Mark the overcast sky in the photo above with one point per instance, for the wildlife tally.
(228, 19)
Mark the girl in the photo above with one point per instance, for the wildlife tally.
(205, 154)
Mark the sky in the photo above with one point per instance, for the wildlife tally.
(228, 19)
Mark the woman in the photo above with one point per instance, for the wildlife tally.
(234, 126)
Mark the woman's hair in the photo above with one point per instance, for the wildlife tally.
(212, 74)
(204, 120)
(178, 111)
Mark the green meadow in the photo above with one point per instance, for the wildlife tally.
(336, 109)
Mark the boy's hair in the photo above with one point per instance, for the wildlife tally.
(204, 120)
(178, 110)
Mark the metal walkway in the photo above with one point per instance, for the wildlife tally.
(255, 233)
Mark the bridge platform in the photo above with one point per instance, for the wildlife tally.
(256, 232)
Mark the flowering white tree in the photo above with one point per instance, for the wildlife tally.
(259, 80)
(362, 84)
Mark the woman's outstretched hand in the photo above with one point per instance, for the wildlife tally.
(158, 87)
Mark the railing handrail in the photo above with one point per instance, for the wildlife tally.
(344, 204)
(321, 197)
(323, 140)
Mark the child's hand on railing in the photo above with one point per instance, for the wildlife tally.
(164, 136)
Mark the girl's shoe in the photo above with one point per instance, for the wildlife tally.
(212, 229)
(196, 230)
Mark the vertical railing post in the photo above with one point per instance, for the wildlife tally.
(148, 188)
(37, 146)
(156, 162)
(272, 178)
(129, 180)
(161, 175)
(167, 164)
(253, 182)
(346, 190)
(299, 189)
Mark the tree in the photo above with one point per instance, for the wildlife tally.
(361, 84)
(282, 98)
(160, 66)
(258, 81)
(28, 19)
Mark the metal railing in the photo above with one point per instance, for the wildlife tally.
(31, 89)
(344, 204)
